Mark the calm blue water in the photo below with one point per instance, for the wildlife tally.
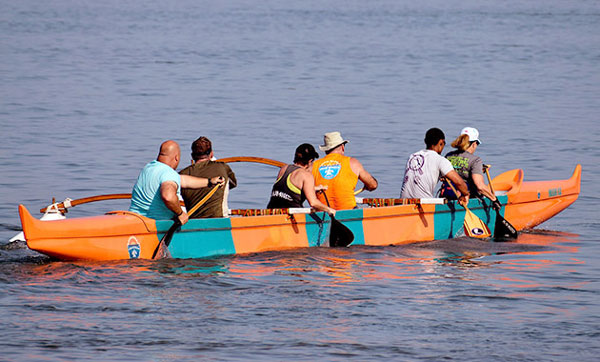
(90, 89)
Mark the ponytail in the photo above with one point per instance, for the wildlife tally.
(462, 142)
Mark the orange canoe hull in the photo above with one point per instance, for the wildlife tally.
(125, 235)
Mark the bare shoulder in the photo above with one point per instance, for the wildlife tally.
(356, 166)
(282, 171)
(304, 173)
(303, 177)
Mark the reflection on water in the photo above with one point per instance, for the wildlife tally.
(339, 265)
(243, 305)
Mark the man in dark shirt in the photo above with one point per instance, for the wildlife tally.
(202, 166)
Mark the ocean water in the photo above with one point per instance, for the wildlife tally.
(90, 89)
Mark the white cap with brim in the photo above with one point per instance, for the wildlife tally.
(332, 140)
(473, 134)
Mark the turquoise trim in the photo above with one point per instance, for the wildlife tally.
(448, 221)
(317, 228)
(216, 238)
(449, 218)
(503, 200)
(353, 219)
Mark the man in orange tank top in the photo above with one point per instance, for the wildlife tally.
(338, 174)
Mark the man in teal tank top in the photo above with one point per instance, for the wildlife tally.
(157, 189)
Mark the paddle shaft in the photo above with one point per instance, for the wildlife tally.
(204, 199)
(487, 173)
(504, 229)
(166, 239)
(339, 234)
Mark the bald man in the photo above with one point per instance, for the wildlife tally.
(157, 189)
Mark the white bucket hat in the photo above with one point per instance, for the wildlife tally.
(331, 140)
(473, 134)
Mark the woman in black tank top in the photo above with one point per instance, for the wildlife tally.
(285, 194)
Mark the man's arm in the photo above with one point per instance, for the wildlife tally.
(193, 182)
(364, 176)
(232, 179)
(460, 184)
(168, 193)
(482, 187)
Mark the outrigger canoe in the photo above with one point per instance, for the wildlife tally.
(126, 235)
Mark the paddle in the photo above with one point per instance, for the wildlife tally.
(502, 228)
(339, 234)
(473, 225)
(204, 199)
(162, 249)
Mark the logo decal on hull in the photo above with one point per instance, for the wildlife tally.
(133, 247)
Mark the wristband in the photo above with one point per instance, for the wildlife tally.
(209, 183)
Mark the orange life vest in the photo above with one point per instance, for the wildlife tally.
(334, 172)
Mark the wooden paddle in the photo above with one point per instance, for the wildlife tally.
(502, 228)
(339, 234)
(162, 249)
(474, 226)
(204, 199)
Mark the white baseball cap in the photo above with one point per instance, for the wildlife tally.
(473, 134)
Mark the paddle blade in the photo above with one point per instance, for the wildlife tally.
(162, 249)
(340, 235)
(503, 229)
(474, 227)
(162, 252)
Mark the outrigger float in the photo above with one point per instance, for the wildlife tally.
(126, 235)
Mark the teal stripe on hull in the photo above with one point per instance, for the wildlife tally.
(449, 218)
(448, 221)
(210, 237)
(353, 219)
(201, 238)
(317, 228)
